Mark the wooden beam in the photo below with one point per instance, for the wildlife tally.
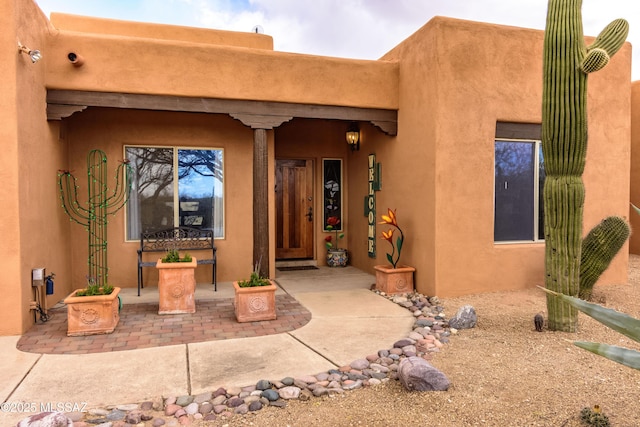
(261, 121)
(388, 127)
(59, 112)
(268, 112)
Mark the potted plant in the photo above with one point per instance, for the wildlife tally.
(393, 279)
(336, 257)
(93, 310)
(176, 283)
(255, 299)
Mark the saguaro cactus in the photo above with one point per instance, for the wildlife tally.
(598, 250)
(566, 64)
(94, 217)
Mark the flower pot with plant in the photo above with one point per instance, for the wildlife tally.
(336, 257)
(176, 283)
(393, 278)
(255, 298)
(93, 310)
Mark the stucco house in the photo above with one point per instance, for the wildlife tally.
(448, 122)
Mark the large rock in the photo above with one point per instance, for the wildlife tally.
(289, 392)
(263, 385)
(46, 419)
(416, 374)
(134, 417)
(465, 318)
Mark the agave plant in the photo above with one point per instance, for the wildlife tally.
(620, 322)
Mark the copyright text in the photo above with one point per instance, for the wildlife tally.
(33, 407)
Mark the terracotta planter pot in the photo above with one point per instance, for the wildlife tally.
(394, 280)
(92, 315)
(255, 303)
(176, 287)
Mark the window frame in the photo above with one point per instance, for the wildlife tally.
(176, 195)
(537, 144)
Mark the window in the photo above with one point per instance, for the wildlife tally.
(175, 187)
(519, 181)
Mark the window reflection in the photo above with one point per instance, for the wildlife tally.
(518, 206)
(175, 187)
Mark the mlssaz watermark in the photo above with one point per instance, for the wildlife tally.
(33, 407)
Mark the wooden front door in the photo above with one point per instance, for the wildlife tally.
(294, 209)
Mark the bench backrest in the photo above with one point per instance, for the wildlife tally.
(180, 238)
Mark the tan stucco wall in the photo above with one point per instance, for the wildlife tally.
(10, 255)
(33, 230)
(110, 130)
(634, 244)
(477, 90)
(372, 141)
(86, 24)
(455, 83)
(167, 67)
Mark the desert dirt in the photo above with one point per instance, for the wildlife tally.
(502, 373)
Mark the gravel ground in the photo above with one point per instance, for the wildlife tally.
(503, 373)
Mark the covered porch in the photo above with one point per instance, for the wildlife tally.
(277, 130)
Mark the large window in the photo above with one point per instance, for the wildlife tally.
(519, 181)
(175, 187)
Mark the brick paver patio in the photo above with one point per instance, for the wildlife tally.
(141, 326)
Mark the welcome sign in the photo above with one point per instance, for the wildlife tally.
(375, 184)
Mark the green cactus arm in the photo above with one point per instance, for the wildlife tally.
(619, 322)
(594, 60)
(612, 38)
(607, 44)
(599, 247)
(624, 356)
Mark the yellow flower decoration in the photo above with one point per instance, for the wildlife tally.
(396, 247)
(390, 218)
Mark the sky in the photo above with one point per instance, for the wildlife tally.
(359, 29)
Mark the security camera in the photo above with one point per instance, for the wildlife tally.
(75, 59)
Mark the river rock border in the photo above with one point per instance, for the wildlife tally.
(430, 332)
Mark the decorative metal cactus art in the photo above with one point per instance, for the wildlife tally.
(99, 205)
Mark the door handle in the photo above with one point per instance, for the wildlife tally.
(309, 214)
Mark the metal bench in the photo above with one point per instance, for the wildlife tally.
(180, 238)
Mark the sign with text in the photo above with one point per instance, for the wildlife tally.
(374, 184)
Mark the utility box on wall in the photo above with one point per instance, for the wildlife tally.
(37, 276)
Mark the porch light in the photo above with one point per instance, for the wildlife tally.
(353, 136)
(35, 55)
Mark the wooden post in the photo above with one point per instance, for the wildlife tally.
(261, 200)
(260, 124)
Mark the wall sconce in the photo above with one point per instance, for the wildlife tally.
(35, 55)
(353, 136)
